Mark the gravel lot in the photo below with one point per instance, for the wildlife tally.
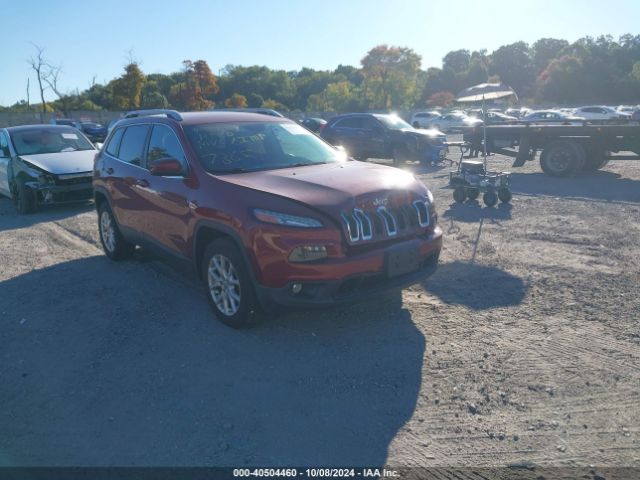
(524, 348)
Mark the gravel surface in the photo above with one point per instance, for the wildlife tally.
(523, 349)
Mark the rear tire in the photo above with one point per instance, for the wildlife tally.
(416, 125)
(113, 243)
(490, 198)
(25, 199)
(562, 158)
(230, 291)
(504, 194)
(472, 193)
(459, 194)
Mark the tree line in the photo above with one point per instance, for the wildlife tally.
(590, 70)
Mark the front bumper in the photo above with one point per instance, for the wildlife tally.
(360, 284)
(50, 194)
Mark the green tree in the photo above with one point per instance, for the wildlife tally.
(127, 89)
(512, 63)
(390, 77)
(544, 51)
(458, 60)
(562, 80)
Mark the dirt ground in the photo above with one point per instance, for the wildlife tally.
(523, 349)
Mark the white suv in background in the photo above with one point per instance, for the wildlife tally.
(598, 113)
(424, 119)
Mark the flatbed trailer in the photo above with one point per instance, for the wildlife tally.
(564, 149)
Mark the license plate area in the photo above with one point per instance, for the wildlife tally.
(401, 260)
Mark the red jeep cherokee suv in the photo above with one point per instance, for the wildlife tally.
(268, 213)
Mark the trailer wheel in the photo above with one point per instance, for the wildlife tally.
(562, 158)
(472, 193)
(459, 194)
(504, 194)
(490, 198)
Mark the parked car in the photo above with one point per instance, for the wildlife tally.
(636, 114)
(372, 135)
(551, 116)
(65, 121)
(491, 116)
(598, 113)
(454, 122)
(267, 212)
(94, 131)
(44, 164)
(517, 112)
(313, 124)
(627, 109)
(424, 119)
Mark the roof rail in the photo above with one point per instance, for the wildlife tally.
(173, 114)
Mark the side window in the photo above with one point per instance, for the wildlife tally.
(133, 144)
(114, 143)
(4, 145)
(164, 144)
(350, 122)
(370, 124)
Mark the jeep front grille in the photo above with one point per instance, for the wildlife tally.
(385, 221)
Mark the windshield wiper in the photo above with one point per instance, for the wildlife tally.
(233, 170)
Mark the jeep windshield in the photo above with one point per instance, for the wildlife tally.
(237, 147)
(393, 122)
(40, 140)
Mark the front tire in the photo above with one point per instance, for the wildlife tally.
(229, 287)
(113, 243)
(25, 199)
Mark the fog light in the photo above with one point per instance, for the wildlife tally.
(308, 253)
(296, 288)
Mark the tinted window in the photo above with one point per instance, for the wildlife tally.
(349, 122)
(133, 144)
(114, 143)
(164, 144)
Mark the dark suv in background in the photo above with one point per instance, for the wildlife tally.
(371, 135)
(267, 212)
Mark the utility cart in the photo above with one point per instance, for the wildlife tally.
(472, 178)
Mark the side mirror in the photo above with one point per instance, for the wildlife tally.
(166, 167)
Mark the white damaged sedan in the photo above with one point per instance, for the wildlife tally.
(45, 164)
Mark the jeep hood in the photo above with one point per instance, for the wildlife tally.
(63, 162)
(333, 187)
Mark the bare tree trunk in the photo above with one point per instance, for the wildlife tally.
(37, 65)
(28, 102)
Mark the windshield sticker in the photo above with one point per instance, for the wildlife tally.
(70, 136)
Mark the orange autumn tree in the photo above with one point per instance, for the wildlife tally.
(198, 86)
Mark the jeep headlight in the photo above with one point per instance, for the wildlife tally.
(284, 219)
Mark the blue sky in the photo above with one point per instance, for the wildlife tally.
(91, 38)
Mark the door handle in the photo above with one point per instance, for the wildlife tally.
(141, 182)
(109, 170)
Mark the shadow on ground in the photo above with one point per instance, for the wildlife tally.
(473, 211)
(598, 185)
(475, 286)
(49, 213)
(109, 363)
